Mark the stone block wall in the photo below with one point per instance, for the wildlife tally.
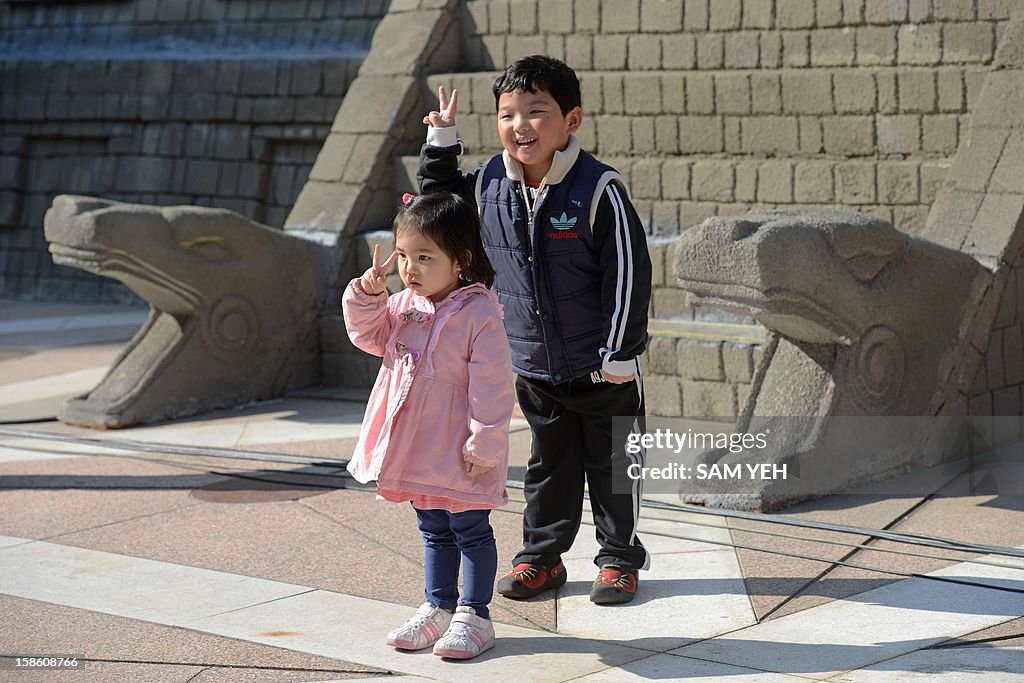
(979, 212)
(201, 102)
(700, 362)
(718, 107)
(996, 397)
(997, 386)
(651, 35)
(729, 105)
(692, 378)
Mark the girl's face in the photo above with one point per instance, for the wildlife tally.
(424, 267)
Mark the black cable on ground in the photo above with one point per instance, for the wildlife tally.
(285, 458)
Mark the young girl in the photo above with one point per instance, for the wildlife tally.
(436, 426)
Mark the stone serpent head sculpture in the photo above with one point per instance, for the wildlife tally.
(863, 321)
(882, 342)
(232, 306)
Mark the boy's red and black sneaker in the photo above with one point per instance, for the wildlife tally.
(527, 580)
(614, 585)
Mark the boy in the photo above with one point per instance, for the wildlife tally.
(574, 277)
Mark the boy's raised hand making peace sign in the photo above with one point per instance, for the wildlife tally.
(444, 118)
(374, 280)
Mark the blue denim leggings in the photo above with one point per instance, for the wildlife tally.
(449, 535)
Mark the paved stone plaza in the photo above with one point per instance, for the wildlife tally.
(227, 547)
(231, 545)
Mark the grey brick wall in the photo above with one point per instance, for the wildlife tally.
(688, 376)
(197, 102)
(1000, 380)
(699, 136)
(867, 100)
(735, 34)
(715, 107)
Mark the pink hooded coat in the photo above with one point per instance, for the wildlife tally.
(443, 396)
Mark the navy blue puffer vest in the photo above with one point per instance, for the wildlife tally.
(548, 272)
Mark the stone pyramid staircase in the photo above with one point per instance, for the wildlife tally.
(717, 107)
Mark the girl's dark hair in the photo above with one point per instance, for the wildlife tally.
(538, 72)
(448, 221)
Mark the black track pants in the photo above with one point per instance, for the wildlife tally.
(572, 439)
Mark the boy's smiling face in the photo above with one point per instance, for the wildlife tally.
(532, 128)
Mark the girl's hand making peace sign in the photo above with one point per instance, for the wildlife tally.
(374, 279)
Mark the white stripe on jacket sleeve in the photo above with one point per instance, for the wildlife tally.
(624, 277)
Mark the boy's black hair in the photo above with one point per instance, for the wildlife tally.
(454, 226)
(538, 72)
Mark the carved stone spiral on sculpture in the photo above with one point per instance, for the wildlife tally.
(879, 369)
(231, 328)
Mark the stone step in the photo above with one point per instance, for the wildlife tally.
(848, 112)
(704, 331)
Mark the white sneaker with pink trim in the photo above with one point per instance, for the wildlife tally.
(423, 630)
(467, 636)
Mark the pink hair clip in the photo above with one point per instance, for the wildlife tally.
(407, 198)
